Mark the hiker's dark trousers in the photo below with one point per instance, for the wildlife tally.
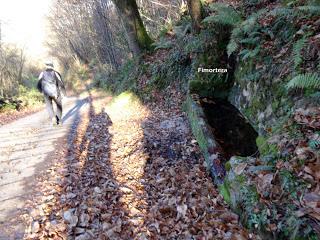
(49, 104)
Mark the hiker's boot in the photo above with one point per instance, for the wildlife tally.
(58, 121)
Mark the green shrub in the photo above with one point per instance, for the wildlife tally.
(225, 15)
(266, 148)
(8, 107)
(305, 81)
(30, 96)
(162, 43)
(296, 52)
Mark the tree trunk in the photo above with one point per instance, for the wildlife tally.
(138, 37)
(78, 54)
(196, 13)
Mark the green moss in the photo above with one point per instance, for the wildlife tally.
(224, 190)
(275, 105)
(244, 68)
(143, 38)
(201, 88)
(248, 112)
(196, 128)
(228, 166)
(257, 104)
(266, 148)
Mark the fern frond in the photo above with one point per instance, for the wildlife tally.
(314, 144)
(282, 11)
(252, 76)
(194, 45)
(248, 53)
(251, 22)
(233, 44)
(316, 96)
(250, 41)
(225, 15)
(296, 51)
(182, 30)
(236, 33)
(162, 44)
(310, 9)
(305, 81)
(232, 47)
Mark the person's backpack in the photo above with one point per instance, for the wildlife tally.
(49, 83)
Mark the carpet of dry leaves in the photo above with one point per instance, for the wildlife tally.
(304, 150)
(10, 116)
(130, 171)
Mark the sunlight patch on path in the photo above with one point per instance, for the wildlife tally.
(127, 156)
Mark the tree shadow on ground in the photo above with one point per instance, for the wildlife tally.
(183, 202)
(141, 177)
(169, 175)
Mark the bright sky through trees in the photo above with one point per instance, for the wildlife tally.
(23, 23)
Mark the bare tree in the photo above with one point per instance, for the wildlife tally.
(85, 30)
(158, 14)
(106, 32)
(11, 66)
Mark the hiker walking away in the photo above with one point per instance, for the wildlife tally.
(50, 84)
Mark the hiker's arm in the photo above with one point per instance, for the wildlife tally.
(61, 83)
(39, 84)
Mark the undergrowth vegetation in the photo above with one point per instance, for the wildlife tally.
(25, 94)
(273, 61)
(178, 56)
(278, 72)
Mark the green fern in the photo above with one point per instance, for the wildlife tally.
(193, 45)
(248, 53)
(236, 32)
(310, 9)
(255, 76)
(296, 52)
(251, 22)
(250, 40)
(233, 44)
(162, 44)
(182, 30)
(316, 96)
(245, 32)
(284, 11)
(305, 81)
(232, 47)
(225, 15)
(314, 144)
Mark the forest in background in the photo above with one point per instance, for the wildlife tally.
(272, 52)
(83, 35)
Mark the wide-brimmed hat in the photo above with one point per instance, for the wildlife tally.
(49, 64)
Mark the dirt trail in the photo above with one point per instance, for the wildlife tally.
(122, 170)
(25, 147)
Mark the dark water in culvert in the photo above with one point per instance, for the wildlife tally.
(234, 133)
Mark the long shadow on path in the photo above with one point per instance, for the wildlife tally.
(87, 201)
